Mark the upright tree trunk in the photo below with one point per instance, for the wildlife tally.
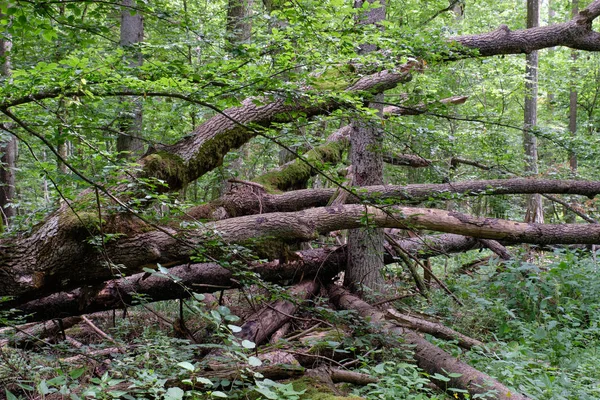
(63, 145)
(130, 121)
(535, 211)
(551, 15)
(239, 23)
(365, 245)
(8, 149)
(573, 98)
(458, 8)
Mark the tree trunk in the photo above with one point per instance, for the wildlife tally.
(265, 322)
(365, 246)
(129, 143)
(8, 148)
(239, 21)
(535, 210)
(573, 98)
(51, 259)
(8, 165)
(235, 205)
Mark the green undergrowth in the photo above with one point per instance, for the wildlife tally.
(540, 319)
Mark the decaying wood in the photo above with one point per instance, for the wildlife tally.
(151, 247)
(199, 277)
(102, 334)
(497, 248)
(433, 328)
(209, 277)
(274, 372)
(258, 327)
(295, 174)
(430, 358)
(36, 334)
(281, 332)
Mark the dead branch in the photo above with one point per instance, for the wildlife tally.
(433, 328)
(429, 357)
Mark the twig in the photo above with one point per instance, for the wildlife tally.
(394, 299)
(101, 333)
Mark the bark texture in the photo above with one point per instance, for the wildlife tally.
(576, 33)
(239, 23)
(51, 259)
(236, 204)
(131, 118)
(265, 322)
(535, 208)
(8, 147)
(365, 246)
(573, 97)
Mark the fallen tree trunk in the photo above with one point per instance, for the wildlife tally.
(37, 273)
(433, 328)
(265, 322)
(177, 283)
(430, 358)
(234, 205)
(37, 334)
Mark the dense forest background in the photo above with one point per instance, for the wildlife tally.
(299, 199)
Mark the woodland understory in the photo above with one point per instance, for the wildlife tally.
(215, 218)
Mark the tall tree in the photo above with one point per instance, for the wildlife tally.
(365, 246)
(239, 21)
(131, 118)
(8, 149)
(535, 211)
(573, 97)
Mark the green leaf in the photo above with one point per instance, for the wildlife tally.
(10, 396)
(254, 361)
(204, 381)
(174, 393)
(248, 344)
(219, 394)
(186, 365)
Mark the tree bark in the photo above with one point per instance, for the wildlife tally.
(129, 143)
(434, 328)
(234, 205)
(209, 277)
(239, 23)
(365, 246)
(576, 34)
(8, 148)
(48, 262)
(535, 208)
(573, 97)
(265, 322)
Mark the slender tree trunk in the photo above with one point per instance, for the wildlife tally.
(458, 9)
(535, 211)
(365, 246)
(8, 149)
(63, 145)
(130, 121)
(239, 22)
(573, 98)
(551, 15)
